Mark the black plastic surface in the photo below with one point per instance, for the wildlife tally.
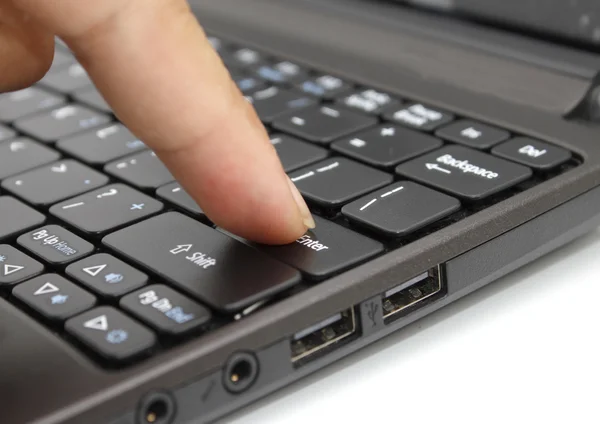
(68, 388)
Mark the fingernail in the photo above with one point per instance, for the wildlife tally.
(307, 218)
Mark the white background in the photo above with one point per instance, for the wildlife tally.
(524, 349)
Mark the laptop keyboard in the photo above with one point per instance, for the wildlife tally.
(101, 245)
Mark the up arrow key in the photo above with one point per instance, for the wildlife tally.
(99, 323)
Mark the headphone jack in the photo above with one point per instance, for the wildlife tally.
(156, 408)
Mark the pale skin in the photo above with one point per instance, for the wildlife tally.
(152, 62)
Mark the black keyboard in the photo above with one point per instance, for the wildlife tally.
(101, 245)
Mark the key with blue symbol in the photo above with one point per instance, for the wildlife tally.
(111, 334)
(325, 86)
(61, 122)
(282, 72)
(102, 145)
(106, 275)
(275, 101)
(143, 170)
(54, 297)
(165, 309)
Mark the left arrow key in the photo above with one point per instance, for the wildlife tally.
(16, 267)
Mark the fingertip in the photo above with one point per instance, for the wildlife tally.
(307, 219)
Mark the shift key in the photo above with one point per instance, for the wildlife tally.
(210, 266)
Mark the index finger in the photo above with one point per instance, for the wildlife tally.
(152, 62)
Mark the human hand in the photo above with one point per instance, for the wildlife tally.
(152, 62)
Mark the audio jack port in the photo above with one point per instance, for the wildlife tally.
(240, 372)
(156, 408)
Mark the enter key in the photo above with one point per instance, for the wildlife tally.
(326, 250)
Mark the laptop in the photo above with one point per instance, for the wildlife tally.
(439, 144)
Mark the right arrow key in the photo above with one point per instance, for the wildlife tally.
(463, 172)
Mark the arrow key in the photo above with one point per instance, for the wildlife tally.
(111, 334)
(16, 266)
(54, 297)
(106, 275)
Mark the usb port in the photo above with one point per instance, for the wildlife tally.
(323, 337)
(415, 292)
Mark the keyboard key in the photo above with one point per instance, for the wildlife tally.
(326, 250)
(217, 43)
(534, 153)
(294, 153)
(60, 123)
(62, 58)
(16, 217)
(106, 275)
(22, 154)
(175, 194)
(281, 72)
(55, 245)
(105, 209)
(166, 310)
(92, 97)
(59, 44)
(143, 170)
(16, 266)
(400, 209)
(336, 181)
(67, 79)
(419, 117)
(473, 134)
(216, 269)
(6, 133)
(111, 334)
(387, 145)
(243, 58)
(249, 85)
(466, 173)
(18, 104)
(325, 87)
(54, 297)
(102, 145)
(274, 101)
(323, 124)
(369, 101)
(54, 182)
